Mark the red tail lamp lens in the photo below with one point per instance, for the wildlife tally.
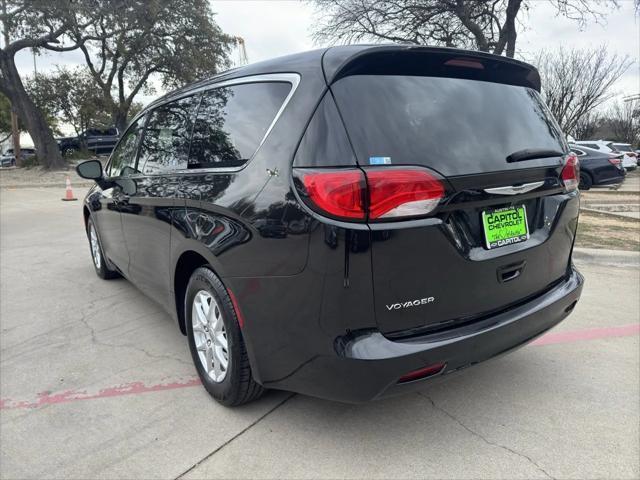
(402, 192)
(424, 372)
(571, 173)
(337, 193)
(385, 193)
(615, 160)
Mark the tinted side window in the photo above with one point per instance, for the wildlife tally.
(232, 121)
(124, 155)
(165, 145)
(325, 143)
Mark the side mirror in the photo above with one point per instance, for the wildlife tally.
(91, 169)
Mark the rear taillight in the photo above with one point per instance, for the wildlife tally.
(339, 193)
(571, 173)
(373, 194)
(615, 160)
(402, 192)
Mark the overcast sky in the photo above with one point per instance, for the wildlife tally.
(274, 27)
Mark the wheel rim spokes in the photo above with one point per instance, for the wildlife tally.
(210, 335)
(95, 247)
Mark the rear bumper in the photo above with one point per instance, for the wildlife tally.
(367, 365)
(608, 181)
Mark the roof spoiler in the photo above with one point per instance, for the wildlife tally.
(427, 61)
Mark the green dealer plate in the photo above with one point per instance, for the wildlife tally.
(505, 226)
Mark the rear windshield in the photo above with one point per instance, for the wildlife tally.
(613, 147)
(456, 126)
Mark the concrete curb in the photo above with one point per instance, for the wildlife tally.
(604, 192)
(604, 213)
(615, 258)
(46, 185)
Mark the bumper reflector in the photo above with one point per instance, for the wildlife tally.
(421, 373)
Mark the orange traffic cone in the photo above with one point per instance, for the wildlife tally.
(68, 197)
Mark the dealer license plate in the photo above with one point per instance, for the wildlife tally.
(505, 226)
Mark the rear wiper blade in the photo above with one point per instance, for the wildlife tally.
(533, 153)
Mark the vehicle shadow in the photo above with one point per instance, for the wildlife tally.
(490, 421)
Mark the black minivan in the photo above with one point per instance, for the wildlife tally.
(346, 222)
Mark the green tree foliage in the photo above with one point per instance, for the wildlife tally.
(42, 25)
(70, 97)
(127, 45)
(171, 42)
(5, 116)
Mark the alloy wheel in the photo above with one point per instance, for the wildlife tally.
(95, 247)
(210, 335)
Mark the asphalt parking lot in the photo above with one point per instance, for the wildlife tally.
(97, 382)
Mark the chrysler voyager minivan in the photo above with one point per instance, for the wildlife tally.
(347, 222)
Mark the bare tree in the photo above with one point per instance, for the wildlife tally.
(486, 25)
(587, 126)
(575, 82)
(623, 119)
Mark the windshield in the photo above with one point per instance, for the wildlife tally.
(456, 126)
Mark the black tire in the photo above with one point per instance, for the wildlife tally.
(101, 268)
(238, 386)
(585, 181)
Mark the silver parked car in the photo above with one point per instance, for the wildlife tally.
(8, 159)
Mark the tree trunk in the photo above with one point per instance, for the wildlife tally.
(46, 147)
(510, 25)
(120, 119)
(508, 33)
(462, 13)
(15, 134)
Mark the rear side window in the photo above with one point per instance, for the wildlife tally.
(232, 122)
(165, 145)
(325, 143)
(613, 147)
(456, 126)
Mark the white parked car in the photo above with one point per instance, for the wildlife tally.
(630, 159)
(627, 149)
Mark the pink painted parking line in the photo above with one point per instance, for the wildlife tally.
(590, 334)
(136, 388)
